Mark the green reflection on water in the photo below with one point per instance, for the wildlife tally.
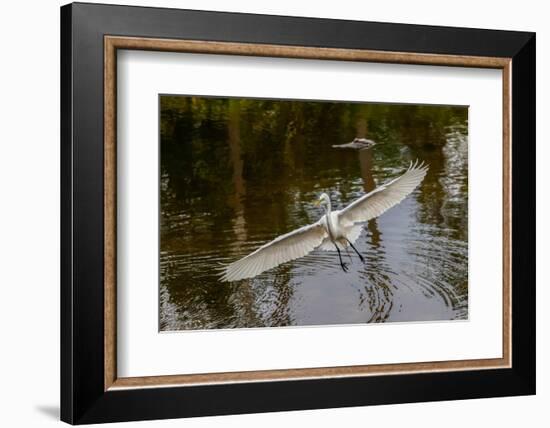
(236, 173)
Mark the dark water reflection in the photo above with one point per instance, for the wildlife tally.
(237, 173)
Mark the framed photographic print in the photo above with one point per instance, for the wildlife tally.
(265, 213)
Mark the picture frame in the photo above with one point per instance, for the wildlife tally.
(91, 390)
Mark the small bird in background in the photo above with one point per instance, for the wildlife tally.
(356, 144)
(334, 230)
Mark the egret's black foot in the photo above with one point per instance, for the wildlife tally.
(362, 259)
(344, 266)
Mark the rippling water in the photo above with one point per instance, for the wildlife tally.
(237, 173)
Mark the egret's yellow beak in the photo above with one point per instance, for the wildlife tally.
(317, 202)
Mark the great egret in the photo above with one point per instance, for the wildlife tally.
(334, 229)
(357, 144)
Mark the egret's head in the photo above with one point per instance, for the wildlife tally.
(323, 201)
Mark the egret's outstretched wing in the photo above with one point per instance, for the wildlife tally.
(286, 247)
(384, 197)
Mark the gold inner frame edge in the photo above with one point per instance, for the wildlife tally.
(113, 43)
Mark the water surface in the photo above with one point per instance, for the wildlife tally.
(236, 173)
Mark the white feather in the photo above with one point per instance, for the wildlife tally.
(287, 247)
(384, 197)
(351, 233)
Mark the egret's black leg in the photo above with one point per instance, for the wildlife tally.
(355, 249)
(344, 265)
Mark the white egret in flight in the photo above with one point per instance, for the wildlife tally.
(335, 229)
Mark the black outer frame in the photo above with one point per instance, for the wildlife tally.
(83, 399)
